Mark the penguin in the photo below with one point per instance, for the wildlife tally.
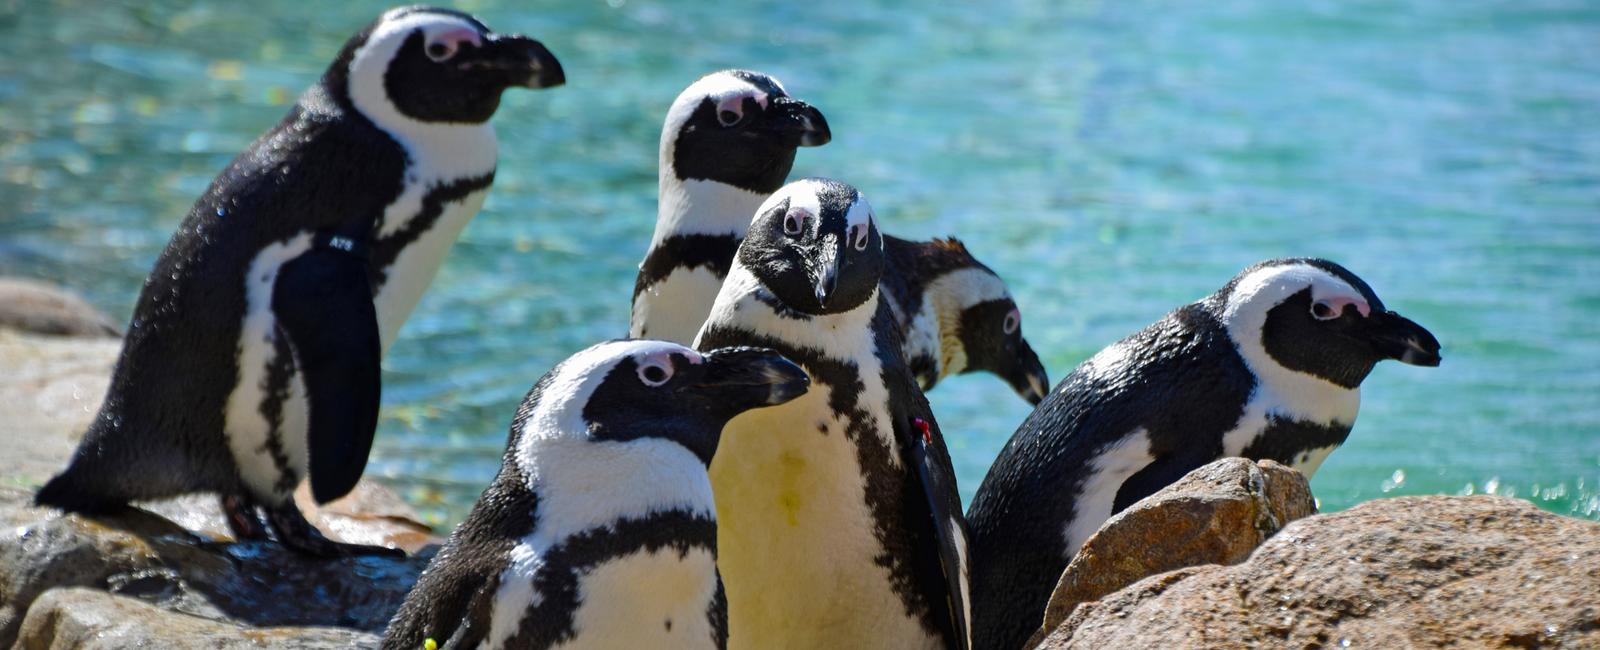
(839, 521)
(252, 359)
(600, 529)
(728, 142)
(1267, 367)
(957, 316)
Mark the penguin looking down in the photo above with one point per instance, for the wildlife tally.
(728, 142)
(600, 529)
(957, 316)
(839, 522)
(252, 360)
(1268, 367)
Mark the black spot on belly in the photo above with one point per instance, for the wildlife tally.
(280, 371)
(1284, 439)
(669, 625)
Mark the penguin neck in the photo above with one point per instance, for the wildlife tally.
(702, 207)
(744, 303)
(584, 484)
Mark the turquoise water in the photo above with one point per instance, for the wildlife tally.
(1111, 159)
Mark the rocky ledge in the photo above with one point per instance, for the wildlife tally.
(165, 575)
(1407, 572)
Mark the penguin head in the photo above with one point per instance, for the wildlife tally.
(990, 336)
(1314, 317)
(627, 390)
(815, 245)
(431, 65)
(739, 128)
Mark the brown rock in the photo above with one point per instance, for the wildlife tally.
(91, 619)
(1409, 572)
(44, 308)
(1216, 514)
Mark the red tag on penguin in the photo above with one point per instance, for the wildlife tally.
(927, 432)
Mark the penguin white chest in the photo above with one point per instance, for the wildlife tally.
(675, 308)
(796, 539)
(657, 599)
(413, 270)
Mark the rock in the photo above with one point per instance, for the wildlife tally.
(169, 583)
(1216, 514)
(43, 308)
(91, 619)
(1408, 572)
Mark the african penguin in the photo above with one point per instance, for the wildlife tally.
(729, 141)
(839, 523)
(252, 358)
(957, 316)
(1269, 366)
(600, 529)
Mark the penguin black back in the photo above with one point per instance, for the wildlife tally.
(1266, 367)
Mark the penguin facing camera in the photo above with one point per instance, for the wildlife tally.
(839, 522)
(252, 360)
(1268, 366)
(600, 529)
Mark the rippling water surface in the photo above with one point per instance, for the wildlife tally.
(1111, 159)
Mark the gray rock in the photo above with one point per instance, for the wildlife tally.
(90, 619)
(43, 308)
(1409, 572)
(137, 578)
(1216, 514)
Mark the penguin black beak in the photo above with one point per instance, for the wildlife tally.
(1397, 337)
(744, 378)
(828, 259)
(796, 119)
(528, 62)
(1028, 376)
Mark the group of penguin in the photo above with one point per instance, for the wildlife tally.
(756, 465)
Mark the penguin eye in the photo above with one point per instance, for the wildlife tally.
(1321, 310)
(859, 236)
(443, 46)
(654, 372)
(441, 51)
(730, 111)
(1013, 322)
(793, 222)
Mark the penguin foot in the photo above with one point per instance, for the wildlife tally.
(294, 532)
(244, 517)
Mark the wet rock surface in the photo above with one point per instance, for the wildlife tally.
(1216, 514)
(166, 574)
(1408, 572)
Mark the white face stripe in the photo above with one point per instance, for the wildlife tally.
(718, 87)
(560, 409)
(1280, 390)
(440, 151)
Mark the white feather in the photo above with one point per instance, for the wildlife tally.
(1111, 466)
(247, 429)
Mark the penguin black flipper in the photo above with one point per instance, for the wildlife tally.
(323, 301)
(1158, 474)
(922, 447)
(938, 476)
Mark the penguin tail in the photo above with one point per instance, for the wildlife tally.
(65, 493)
